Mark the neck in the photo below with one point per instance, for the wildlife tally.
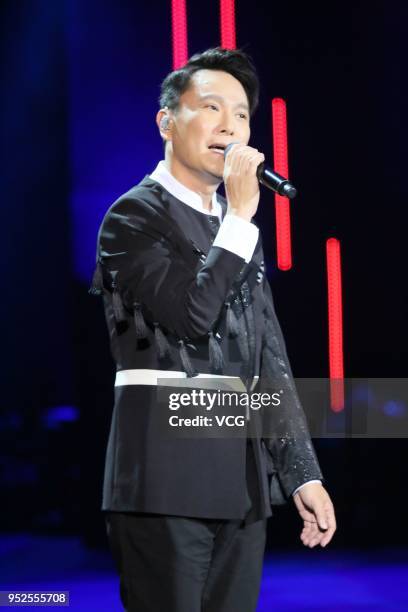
(191, 180)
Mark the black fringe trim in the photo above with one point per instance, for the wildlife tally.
(96, 287)
(140, 323)
(232, 321)
(185, 360)
(215, 353)
(162, 345)
(243, 347)
(117, 304)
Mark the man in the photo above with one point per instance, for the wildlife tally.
(185, 295)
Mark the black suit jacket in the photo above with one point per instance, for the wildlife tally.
(175, 302)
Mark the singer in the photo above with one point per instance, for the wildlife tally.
(181, 272)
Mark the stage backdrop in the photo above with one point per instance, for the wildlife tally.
(80, 87)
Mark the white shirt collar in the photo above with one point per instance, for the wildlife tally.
(183, 193)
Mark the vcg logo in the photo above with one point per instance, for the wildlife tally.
(230, 420)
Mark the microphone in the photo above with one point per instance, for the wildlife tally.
(266, 176)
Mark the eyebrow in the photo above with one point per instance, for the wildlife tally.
(221, 99)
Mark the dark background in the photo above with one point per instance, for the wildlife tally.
(80, 86)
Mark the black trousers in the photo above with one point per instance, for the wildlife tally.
(183, 564)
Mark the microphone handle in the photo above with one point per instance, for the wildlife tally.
(275, 181)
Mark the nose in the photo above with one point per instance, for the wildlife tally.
(227, 124)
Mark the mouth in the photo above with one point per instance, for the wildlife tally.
(217, 148)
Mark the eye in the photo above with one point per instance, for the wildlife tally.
(211, 106)
(243, 116)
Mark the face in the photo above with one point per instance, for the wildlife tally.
(214, 110)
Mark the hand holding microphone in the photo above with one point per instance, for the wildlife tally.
(240, 180)
(244, 169)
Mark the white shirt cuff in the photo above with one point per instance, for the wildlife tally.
(302, 485)
(238, 236)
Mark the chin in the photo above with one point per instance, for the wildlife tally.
(216, 172)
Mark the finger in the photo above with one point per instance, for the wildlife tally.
(253, 163)
(315, 542)
(307, 527)
(230, 159)
(238, 159)
(247, 168)
(244, 155)
(249, 154)
(332, 527)
(314, 535)
(331, 517)
(324, 537)
(233, 152)
(240, 153)
(309, 523)
(328, 536)
(312, 541)
(325, 518)
(321, 516)
(308, 533)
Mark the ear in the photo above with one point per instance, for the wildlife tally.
(163, 121)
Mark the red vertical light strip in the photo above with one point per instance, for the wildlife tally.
(334, 298)
(227, 18)
(282, 204)
(179, 33)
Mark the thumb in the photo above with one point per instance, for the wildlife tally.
(321, 518)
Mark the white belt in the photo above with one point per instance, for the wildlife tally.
(154, 377)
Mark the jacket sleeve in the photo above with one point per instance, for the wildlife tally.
(287, 436)
(142, 262)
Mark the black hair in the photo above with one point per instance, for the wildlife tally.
(234, 61)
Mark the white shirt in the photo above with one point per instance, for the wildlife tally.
(235, 234)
